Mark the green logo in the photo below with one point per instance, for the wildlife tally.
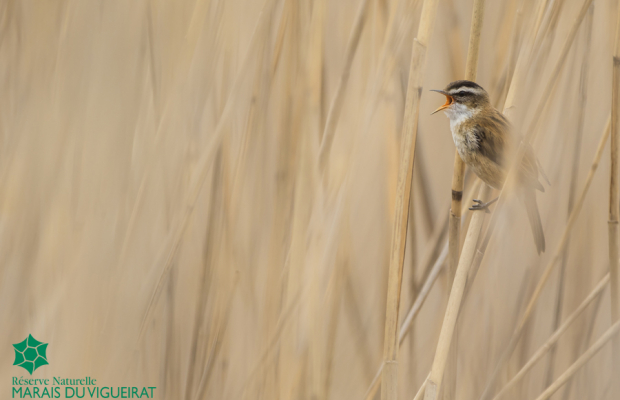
(30, 354)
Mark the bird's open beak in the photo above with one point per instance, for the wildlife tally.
(449, 100)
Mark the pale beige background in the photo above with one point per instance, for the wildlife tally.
(146, 139)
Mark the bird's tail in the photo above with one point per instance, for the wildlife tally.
(529, 199)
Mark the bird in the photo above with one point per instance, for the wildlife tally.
(485, 142)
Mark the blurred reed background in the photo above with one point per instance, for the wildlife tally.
(199, 195)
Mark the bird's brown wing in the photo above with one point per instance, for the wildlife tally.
(490, 144)
(495, 140)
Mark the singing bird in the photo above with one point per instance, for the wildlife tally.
(485, 142)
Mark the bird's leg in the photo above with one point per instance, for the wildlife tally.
(482, 206)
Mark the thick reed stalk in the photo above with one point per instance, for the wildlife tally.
(550, 343)
(614, 206)
(454, 229)
(610, 334)
(389, 390)
(548, 269)
(471, 70)
(433, 384)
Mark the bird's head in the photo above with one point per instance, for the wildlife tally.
(463, 97)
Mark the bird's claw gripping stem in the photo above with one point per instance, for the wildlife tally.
(482, 206)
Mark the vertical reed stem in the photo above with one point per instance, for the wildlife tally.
(433, 384)
(471, 70)
(614, 207)
(389, 389)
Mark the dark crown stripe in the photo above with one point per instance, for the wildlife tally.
(463, 84)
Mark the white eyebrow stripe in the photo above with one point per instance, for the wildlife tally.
(466, 89)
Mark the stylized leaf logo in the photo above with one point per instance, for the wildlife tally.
(30, 354)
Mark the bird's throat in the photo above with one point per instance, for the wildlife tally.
(458, 113)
